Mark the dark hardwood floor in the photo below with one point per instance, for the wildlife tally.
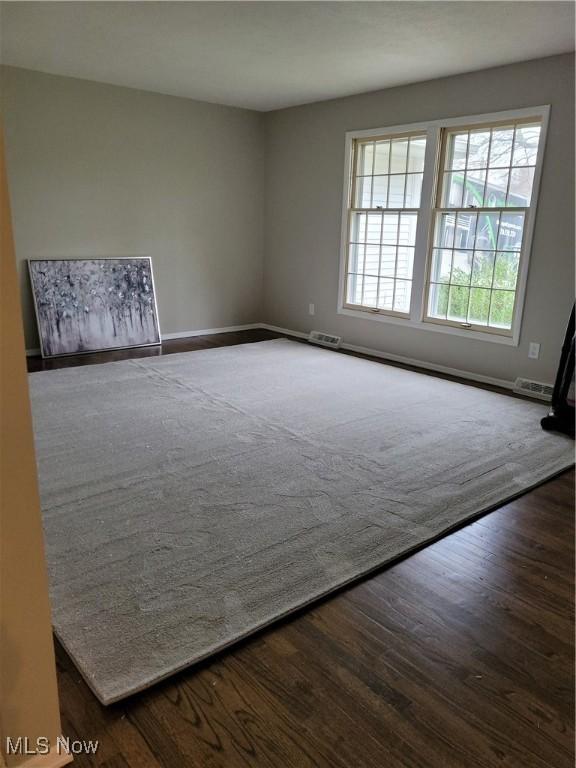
(459, 655)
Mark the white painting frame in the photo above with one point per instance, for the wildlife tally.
(127, 339)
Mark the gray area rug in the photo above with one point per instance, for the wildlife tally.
(191, 499)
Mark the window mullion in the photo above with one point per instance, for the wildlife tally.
(372, 176)
(380, 261)
(495, 260)
(423, 227)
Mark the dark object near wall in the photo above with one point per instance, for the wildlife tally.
(561, 416)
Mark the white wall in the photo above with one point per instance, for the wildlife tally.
(100, 170)
(303, 208)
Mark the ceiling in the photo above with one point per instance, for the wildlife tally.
(268, 55)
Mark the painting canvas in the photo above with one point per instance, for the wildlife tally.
(86, 305)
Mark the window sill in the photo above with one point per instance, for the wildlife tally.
(494, 338)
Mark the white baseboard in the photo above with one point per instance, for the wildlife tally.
(462, 374)
(504, 383)
(287, 331)
(210, 331)
(185, 334)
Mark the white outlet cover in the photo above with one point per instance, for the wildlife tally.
(534, 350)
(311, 309)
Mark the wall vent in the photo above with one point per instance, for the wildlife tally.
(534, 389)
(325, 339)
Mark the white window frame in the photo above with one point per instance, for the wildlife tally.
(422, 252)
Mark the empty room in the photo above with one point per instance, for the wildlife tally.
(287, 384)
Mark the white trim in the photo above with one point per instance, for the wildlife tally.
(422, 325)
(459, 373)
(287, 331)
(210, 331)
(504, 383)
(451, 121)
(424, 225)
(417, 309)
(479, 377)
(526, 253)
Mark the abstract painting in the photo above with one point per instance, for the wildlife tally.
(87, 305)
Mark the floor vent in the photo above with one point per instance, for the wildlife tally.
(534, 389)
(325, 339)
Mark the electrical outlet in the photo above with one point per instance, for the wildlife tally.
(311, 309)
(534, 350)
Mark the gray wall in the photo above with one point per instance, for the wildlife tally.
(100, 170)
(303, 208)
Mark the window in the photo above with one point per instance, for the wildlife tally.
(386, 189)
(438, 221)
(484, 195)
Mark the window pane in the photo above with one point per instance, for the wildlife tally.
(413, 190)
(438, 304)
(365, 159)
(506, 270)
(444, 235)
(380, 191)
(453, 188)
(511, 231)
(354, 295)
(416, 155)
(526, 144)
(465, 229)
(369, 294)
(478, 149)
(371, 260)
(390, 228)
(458, 304)
(474, 188)
(521, 181)
(461, 268)
(407, 228)
(457, 148)
(487, 231)
(405, 262)
(496, 187)
(358, 228)
(501, 147)
(373, 228)
(402, 296)
(483, 269)
(363, 192)
(382, 158)
(502, 309)
(375, 184)
(398, 155)
(479, 306)
(388, 261)
(396, 193)
(356, 258)
(441, 265)
(386, 295)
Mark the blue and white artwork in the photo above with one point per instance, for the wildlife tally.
(87, 305)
